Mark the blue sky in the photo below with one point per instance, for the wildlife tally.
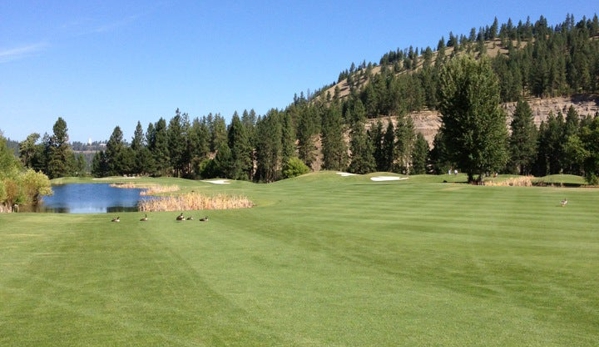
(102, 64)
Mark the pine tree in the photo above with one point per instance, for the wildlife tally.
(404, 143)
(288, 147)
(377, 143)
(523, 140)
(306, 131)
(177, 143)
(334, 149)
(389, 148)
(268, 147)
(571, 129)
(241, 150)
(118, 157)
(420, 155)
(198, 146)
(362, 158)
(160, 149)
(100, 165)
(438, 155)
(137, 147)
(590, 141)
(60, 156)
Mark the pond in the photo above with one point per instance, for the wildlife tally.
(90, 198)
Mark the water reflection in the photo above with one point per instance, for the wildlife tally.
(90, 198)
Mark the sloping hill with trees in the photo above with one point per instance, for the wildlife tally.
(386, 116)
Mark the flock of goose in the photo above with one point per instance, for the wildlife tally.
(180, 217)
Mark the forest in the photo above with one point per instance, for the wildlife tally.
(340, 127)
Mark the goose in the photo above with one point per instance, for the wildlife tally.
(189, 218)
(180, 217)
(144, 218)
(564, 202)
(205, 219)
(117, 219)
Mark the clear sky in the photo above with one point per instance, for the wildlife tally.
(102, 63)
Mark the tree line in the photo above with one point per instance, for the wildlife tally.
(333, 131)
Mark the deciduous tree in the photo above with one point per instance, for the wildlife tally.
(473, 124)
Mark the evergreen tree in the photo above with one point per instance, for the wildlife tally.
(571, 128)
(138, 147)
(268, 147)
(438, 155)
(377, 143)
(241, 150)
(334, 149)
(590, 140)
(100, 165)
(404, 143)
(177, 143)
(523, 140)
(116, 155)
(306, 131)
(420, 155)
(147, 156)
(160, 149)
(223, 162)
(362, 158)
(389, 148)
(288, 147)
(60, 157)
(218, 131)
(199, 143)
(472, 121)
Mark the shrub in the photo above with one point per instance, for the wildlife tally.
(295, 167)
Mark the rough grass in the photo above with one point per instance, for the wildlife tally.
(321, 260)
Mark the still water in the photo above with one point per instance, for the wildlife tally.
(90, 198)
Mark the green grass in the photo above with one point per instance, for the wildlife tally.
(322, 260)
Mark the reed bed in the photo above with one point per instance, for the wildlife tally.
(525, 181)
(158, 189)
(148, 189)
(193, 201)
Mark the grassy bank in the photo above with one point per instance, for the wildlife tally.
(320, 260)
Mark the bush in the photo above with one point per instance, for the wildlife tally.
(295, 167)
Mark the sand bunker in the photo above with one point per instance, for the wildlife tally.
(345, 174)
(217, 181)
(387, 178)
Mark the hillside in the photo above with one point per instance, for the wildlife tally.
(427, 122)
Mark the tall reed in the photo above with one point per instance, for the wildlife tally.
(193, 201)
(524, 181)
(147, 189)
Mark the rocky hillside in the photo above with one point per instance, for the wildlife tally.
(427, 122)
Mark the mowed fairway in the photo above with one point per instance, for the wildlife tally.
(322, 260)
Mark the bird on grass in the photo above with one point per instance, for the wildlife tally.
(189, 218)
(181, 217)
(205, 219)
(564, 202)
(117, 219)
(144, 219)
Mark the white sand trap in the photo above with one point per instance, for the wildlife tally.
(345, 174)
(217, 182)
(387, 178)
